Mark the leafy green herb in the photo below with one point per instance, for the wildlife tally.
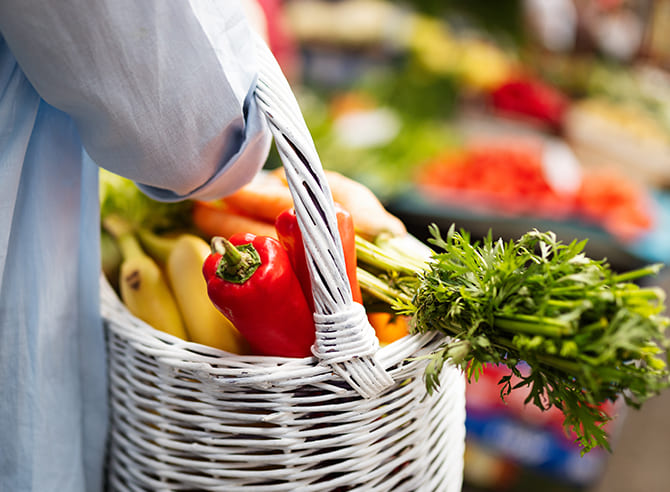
(587, 334)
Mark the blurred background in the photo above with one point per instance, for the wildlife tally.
(505, 116)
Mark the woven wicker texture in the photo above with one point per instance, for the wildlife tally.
(353, 417)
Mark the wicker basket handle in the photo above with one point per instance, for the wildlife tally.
(344, 337)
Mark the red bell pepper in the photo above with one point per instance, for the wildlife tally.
(290, 237)
(251, 281)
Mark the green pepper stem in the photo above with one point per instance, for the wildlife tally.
(226, 249)
(238, 263)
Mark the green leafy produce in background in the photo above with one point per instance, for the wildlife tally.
(121, 196)
(423, 108)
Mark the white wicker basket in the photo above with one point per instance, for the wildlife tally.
(353, 417)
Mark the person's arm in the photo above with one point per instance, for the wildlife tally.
(161, 91)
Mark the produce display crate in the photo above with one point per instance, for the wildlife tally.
(352, 417)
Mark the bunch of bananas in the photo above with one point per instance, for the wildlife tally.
(160, 281)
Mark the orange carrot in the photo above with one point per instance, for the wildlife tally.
(370, 216)
(264, 198)
(215, 219)
(388, 327)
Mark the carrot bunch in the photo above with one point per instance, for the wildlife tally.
(251, 209)
(255, 207)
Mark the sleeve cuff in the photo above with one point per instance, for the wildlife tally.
(236, 170)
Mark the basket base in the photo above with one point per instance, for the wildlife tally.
(177, 429)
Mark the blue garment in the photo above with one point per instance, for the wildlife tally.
(157, 91)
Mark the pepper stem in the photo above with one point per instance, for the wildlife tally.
(238, 263)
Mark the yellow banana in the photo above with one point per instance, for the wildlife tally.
(143, 287)
(158, 247)
(204, 323)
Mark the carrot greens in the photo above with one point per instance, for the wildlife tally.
(587, 334)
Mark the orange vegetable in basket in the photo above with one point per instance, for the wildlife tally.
(263, 199)
(290, 236)
(370, 217)
(218, 219)
(388, 327)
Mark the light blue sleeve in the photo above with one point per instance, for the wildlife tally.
(160, 91)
